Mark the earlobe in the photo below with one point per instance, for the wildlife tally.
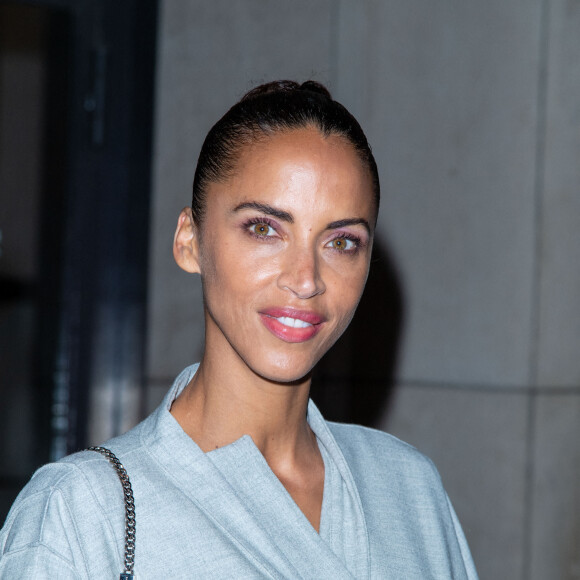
(185, 242)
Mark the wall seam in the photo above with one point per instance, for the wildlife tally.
(334, 44)
(502, 389)
(533, 367)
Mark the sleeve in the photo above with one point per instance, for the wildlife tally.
(463, 546)
(38, 538)
(35, 561)
(58, 527)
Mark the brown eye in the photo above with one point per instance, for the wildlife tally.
(262, 230)
(341, 244)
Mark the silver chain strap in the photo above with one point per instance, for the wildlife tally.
(129, 511)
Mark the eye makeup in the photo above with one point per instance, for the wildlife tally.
(248, 228)
(351, 244)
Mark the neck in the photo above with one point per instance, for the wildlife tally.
(219, 406)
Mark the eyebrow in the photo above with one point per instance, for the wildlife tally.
(289, 218)
(349, 222)
(267, 209)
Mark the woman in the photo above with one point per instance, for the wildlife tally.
(236, 474)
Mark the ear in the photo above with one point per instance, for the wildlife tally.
(186, 243)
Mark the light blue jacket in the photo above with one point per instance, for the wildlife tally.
(224, 514)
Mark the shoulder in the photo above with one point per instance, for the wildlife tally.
(64, 505)
(82, 474)
(48, 528)
(374, 444)
(55, 496)
(405, 503)
(377, 456)
(85, 475)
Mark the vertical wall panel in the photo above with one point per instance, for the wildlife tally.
(555, 514)
(559, 338)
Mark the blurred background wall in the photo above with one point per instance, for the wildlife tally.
(473, 113)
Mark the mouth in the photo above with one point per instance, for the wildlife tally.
(292, 325)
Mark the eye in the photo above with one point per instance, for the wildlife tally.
(342, 244)
(262, 230)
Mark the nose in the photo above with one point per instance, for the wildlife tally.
(300, 274)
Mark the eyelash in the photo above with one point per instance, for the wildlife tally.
(259, 220)
(247, 226)
(357, 242)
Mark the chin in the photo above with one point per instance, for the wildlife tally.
(284, 369)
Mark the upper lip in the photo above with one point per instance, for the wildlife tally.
(305, 315)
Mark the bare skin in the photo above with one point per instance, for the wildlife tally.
(214, 417)
(308, 256)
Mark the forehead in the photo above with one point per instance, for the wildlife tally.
(300, 166)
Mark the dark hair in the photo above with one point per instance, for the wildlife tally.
(266, 109)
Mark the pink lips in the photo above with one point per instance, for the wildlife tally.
(286, 332)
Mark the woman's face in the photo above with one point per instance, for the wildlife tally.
(284, 252)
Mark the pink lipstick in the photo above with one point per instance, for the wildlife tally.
(291, 325)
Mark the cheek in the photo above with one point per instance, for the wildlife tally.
(230, 274)
(348, 276)
(219, 259)
(346, 293)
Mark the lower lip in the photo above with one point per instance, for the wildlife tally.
(289, 333)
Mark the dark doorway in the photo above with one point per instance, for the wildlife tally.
(76, 103)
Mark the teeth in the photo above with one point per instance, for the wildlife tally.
(293, 322)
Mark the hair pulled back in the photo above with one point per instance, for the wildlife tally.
(262, 112)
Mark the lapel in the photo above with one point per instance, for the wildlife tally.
(347, 512)
(236, 489)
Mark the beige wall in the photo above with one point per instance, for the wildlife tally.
(473, 113)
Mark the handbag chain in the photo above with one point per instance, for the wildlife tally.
(129, 511)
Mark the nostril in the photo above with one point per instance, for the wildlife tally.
(301, 275)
